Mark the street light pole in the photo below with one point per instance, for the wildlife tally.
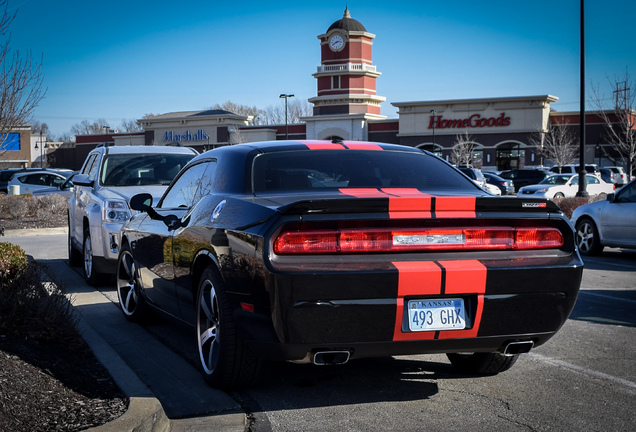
(286, 96)
(582, 192)
(41, 149)
(434, 113)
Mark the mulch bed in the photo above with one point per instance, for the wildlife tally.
(50, 387)
(53, 386)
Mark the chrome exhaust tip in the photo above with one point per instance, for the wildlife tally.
(521, 347)
(323, 358)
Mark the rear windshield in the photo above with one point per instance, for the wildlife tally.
(5, 176)
(141, 169)
(320, 170)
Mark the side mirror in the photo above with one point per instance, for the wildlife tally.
(610, 197)
(141, 202)
(82, 180)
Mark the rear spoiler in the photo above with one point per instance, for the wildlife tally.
(421, 207)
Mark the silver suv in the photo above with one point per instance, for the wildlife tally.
(99, 208)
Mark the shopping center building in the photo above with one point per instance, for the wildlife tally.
(346, 106)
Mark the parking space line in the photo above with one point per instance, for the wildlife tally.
(607, 296)
(584, 370)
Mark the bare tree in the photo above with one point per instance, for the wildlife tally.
(130, 125)
(296, 108)
(462, 153)
(620, 123)
(256, 113)
(557, 144)
(38, 128)
(20, 81)
(85, 127)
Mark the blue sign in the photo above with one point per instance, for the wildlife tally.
(10, 142)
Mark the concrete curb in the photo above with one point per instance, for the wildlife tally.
(35, 231)
(144, 412)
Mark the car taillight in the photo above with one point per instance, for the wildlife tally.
(385, 240)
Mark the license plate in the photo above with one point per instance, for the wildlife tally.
(436, 314)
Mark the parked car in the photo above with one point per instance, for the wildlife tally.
(574, 169)
(475, 175)
(322, 252)
(7, 174)
(492, 189)
(524, 177)
(32, 182)
(607, 223)
(98, 207)
(608, 176)
(65, 189)
(620, 175)
(566, 185)
(505, 186)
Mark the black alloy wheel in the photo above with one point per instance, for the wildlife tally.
(224, 359)
(131, 301)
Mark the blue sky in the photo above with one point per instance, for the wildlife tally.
(123, 59)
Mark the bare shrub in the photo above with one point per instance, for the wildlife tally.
(33, 306)
(17, 206)
(51, 204)
(568, 205)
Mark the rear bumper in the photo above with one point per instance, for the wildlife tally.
(303, 352)
(364, 311)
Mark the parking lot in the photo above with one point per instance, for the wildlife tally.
(582, 379)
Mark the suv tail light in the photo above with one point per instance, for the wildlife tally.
(411, 240)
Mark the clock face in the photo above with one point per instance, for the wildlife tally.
(336, 43)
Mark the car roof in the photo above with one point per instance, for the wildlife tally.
(278, 146)
(154, 149)
(44, 171)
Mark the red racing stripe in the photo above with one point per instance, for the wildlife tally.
(363, 192)
(455, 207)
(415, 278)
(465, 277)
(424, 278)
(324, 146)
(362, 146)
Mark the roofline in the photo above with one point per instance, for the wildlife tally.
(549, 98)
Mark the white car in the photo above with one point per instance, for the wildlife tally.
(37, 182)
(611, 222)
(492, 189)
(565, 185)
(98, 206)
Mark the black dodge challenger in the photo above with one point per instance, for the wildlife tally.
(319, 251)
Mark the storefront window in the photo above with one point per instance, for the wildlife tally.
(510, 156)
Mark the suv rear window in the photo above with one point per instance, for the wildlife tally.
(141, 169)
(323, 170)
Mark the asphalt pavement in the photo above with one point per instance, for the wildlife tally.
(165, 392)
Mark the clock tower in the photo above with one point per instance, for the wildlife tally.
(346, 81)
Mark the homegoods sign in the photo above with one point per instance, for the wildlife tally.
(474, 121)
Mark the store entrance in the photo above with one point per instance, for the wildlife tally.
(510, 156)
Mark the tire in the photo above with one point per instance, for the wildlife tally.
(482, 363)
(587, 237)
(90, 275)
(224, 360)
(131, 302)
(74, 256)
(558, 195)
